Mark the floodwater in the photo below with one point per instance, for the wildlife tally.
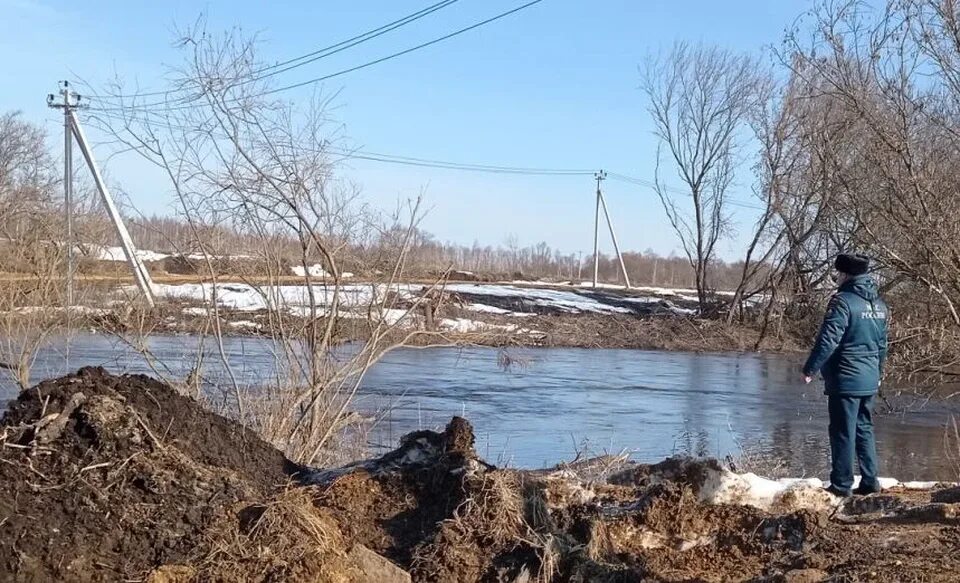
(554, 403)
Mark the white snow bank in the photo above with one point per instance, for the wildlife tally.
(76, 310)
(315, 270)
(723, 486)
(566, 301)
(195, 311)
(467, 326)
(789, 494)
(244, 297)
(486, 309)
(117, 254)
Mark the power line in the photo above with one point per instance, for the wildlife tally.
(360, 154)
(361, 66)
(312, 56)
(445, 165)
(334, 49)
(406, 51)
(653, 186)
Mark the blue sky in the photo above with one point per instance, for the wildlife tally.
(555, 86)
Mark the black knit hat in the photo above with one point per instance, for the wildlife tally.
(852, 264)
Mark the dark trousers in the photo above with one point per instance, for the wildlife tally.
(851, 441)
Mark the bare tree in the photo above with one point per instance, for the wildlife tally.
(241, 161)
(699, 99)
(30, 225)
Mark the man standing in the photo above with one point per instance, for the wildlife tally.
(849, 352)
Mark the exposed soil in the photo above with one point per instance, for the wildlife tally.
(107, 478)
(104, 477)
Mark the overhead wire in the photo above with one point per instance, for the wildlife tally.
(361, 154)
(446, 165)
(315, 55)
(653, 186)
(340, 47)
(354, 68)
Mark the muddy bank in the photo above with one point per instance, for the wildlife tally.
(460, 325)
(494, 314)
(108, 478)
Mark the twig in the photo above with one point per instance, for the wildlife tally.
(156, 441)
(95, 466)
(43, 411)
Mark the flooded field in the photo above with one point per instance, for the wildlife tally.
(555, 402)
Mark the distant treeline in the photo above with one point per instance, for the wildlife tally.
(428, 256)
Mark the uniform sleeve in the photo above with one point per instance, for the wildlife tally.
(831, 333)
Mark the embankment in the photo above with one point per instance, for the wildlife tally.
(106, 478)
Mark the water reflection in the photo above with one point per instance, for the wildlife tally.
(653, 404)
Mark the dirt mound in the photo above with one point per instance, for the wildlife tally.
(105, 477)
(109, 478)
(444, 515)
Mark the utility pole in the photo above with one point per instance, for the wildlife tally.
(70, 102)
(72, 130)
(600, 176)
(613, 235)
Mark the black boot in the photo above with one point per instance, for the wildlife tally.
(838, 492)
(865, 490)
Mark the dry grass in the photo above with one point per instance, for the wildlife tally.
(499, 516)
(285, 539)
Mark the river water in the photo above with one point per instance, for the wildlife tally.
(559, 401)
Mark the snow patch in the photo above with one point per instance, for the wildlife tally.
(563, 300)
(786, 495)
(466, 326)
(486, 309)
(296, 298)
(195, 311)
(315, 270)
(76, 310)
(117, 254)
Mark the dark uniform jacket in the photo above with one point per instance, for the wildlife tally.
(852, 345)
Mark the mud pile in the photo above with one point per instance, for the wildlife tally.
(106, 478)
(445, 515)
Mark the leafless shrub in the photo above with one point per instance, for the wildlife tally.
(30, 253)
(242, 162)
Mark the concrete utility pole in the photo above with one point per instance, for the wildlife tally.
(72, 130)
(616, 246)
(140, 273)
(601, 176)
(70, 102)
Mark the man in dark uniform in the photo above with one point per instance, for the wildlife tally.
(849, 352)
